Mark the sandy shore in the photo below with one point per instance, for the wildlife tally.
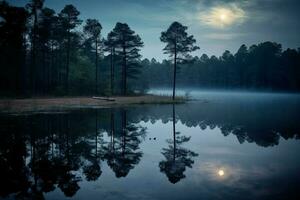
(61, 103)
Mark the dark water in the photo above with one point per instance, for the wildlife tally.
(227, 146)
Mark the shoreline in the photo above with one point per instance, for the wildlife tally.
(64, 103)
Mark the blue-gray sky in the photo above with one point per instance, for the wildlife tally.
(218, 25)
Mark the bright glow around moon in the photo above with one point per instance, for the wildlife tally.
(221, 172)
(222, 17)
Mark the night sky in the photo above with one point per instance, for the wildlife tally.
(217, 25)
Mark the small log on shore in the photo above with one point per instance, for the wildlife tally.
(104, 98)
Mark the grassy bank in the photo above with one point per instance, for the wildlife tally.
(64, 103)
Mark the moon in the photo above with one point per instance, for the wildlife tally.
(221, 172)
(223, 17)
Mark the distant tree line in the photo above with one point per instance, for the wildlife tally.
(47, 53)
(261, 67)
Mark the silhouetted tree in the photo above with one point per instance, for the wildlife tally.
(47, 32)
(110, 44)
(93, 29)
(241, 63)
(179, 45)
(128, 45)
(12, 49)
(34, 6)
(69, 20)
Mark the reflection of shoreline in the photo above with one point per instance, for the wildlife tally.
(58, 151)
(258, 122)
(41, 153)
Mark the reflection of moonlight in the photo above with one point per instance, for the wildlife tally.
(221, 172)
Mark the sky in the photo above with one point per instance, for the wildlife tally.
(217, 25)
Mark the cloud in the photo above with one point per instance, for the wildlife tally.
(223, 16)
(222, 36)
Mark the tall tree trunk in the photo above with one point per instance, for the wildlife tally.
(112, 71)
(124, 73)
(96, 86)
(33, 55)
(60, 75)
(22, 82)
(51, 69)
(44, 72)
(125, 77)
(68, 63)
(175, 67)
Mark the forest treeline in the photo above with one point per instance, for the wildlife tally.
(259, 67)
(47, 53)
(43, 52)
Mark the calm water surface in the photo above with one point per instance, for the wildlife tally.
(218, 146)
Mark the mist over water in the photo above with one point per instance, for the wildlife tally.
(210, 94)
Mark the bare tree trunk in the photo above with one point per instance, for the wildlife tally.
(51, 69)
(68, 63)
(112, 71)
(33, 55)
(174, 75)
(125, 77)
(124, 72)
(96, 87)
(43, 82)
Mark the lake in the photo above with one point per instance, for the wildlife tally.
(220, 145)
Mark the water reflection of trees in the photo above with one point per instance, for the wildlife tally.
(261, 123)
(122, 154)
(40, 153)
(177, 158)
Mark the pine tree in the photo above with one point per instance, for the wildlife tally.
(128, 46)
(69, 20)
(93, 31)
(179, 45)
(110, 46)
